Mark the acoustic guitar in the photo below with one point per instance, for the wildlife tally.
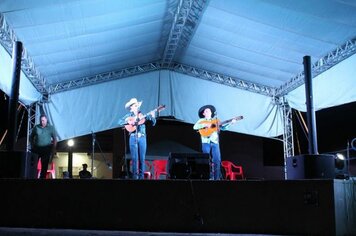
(140, 119)
(215, 125)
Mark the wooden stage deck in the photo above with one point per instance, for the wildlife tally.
(298, 207)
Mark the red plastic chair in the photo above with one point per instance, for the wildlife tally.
(51, 172)
(232, 171)
(160, 168)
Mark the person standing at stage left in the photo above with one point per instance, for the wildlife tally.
(134, 122)
(43, 141)
(210, 143)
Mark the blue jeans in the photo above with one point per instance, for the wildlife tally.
(138, 148)
(215, 153)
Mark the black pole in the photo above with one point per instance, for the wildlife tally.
(14, 96)
(313, 144)
(70, 162)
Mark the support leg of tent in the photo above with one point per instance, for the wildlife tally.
(288, 142)
(31, 122)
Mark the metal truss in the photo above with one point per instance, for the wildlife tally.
(7, 39)
(184, 23)
(104, 77)
(31, 122)
(153, 66)
(332, 58)
(288, 141)
(222, 79)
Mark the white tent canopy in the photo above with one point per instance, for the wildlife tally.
(91, 56)
(96, 108)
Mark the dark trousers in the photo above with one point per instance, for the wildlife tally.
(45, 154)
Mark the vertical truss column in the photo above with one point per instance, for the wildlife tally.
(31, 122)
(288, 142)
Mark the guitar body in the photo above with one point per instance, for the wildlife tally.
(206, 132)
(132, 119)
(133, 122)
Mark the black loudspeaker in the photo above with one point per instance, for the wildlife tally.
(188, 166)
(17, 164)
(311, 167)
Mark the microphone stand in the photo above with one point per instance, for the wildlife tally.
(92, 152)
(348, 158)
(103, 156)
(218, 125)
(94, 141)
(218, 131)
(125, 155)
(136, 147)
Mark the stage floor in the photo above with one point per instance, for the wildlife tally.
(72, 232)
(298, 207)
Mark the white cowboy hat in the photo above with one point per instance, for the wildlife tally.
(131, 102)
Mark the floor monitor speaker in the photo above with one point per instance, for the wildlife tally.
(311, 167)
(188, 166)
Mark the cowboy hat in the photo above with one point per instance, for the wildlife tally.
(131, 102)
(201, 110)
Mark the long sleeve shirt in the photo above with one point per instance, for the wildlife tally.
(214, 137)
(140, 128)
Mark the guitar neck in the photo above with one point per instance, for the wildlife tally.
(225, 122)
(144, 116)
(228, 121)
(154, 110)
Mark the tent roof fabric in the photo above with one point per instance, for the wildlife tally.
(255, 46)
(260, 41)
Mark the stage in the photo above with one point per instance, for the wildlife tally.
(298, 207)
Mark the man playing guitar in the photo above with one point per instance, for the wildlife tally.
(134, 122)
(209, 128)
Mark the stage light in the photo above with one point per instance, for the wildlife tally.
(341, 167)
(340, 156)
(339, 161)
(70, 143)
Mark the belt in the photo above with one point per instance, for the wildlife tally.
(138, 134)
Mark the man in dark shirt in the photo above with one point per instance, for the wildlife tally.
(84, 174)
(43, 141)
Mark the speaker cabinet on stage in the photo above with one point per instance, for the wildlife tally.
(189, 166)
(17, 164)
(311, 167)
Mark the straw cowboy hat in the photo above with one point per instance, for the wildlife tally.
(201, 110)
(131, 102)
